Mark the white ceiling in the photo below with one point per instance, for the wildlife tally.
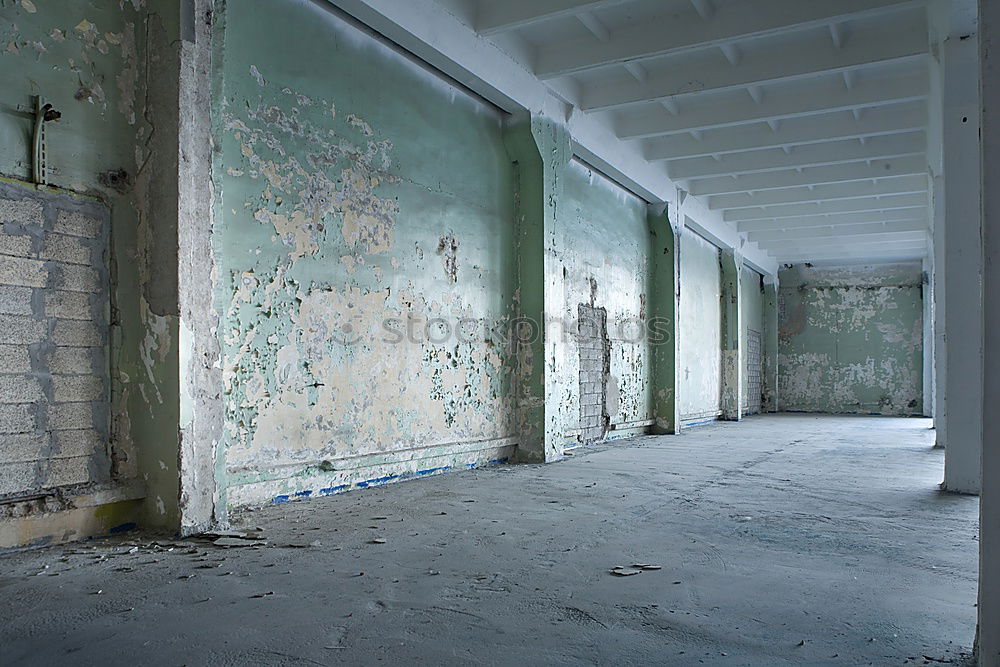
(800, 124)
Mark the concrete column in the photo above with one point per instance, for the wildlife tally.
(201, 406)
(928, 390)
(732, 361)
(769, 344)
(541, 150)
(959, 290)
(662, 327)
(989, 504)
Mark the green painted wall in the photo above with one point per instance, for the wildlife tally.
(607, 262)
(360, 197)
(88, 58)
(700, 388)
(752, 312)
(850, 339)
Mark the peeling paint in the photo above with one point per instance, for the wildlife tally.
(850, 339)
(344, 357)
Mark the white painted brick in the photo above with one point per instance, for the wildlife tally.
(69, 249)
(68, 305)
(72, 360)
(21, 271)
(19, 389)
(15, 300)
(14, 359)
(16, 418)
(21, 211)
(75, 333)
(22, 330)
(23, 447)
(76, 278)
(70, 388)
(77, 224)
(17, 245)
(70, 416)
(70, 444)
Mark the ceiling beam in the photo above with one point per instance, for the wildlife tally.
(709, 71)
(838, 152)
(836, 219)
(885, 186)
(885, 238)
(894, 119)
(885, 203)
(730, 23)
(496, 17)
(852, 255)
(802, 100)
(837, 173)
(838, 231)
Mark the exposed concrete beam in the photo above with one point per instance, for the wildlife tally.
(917, 213)
(705, 72)
(496, 17)
(877, 148)
(886, 186)
(901, 238)
(885, 203)
(894, 119)
(838, 173)
(801, 100)
(838, 231)
(849, 254)
(732, 22)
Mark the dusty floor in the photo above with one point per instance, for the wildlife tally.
(788, 539)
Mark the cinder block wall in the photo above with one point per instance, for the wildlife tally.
(54, 378)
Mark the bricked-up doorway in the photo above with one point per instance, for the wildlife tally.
(595, 361)
(54, 312)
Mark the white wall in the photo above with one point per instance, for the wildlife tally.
(699, 394)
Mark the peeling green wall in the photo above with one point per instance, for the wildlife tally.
(361, 197)
(850, 339)
(700, 388)
(607, 262)
(88, 58)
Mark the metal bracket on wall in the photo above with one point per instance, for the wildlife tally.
(39, 162)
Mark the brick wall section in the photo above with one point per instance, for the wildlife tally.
(595, 361)
(54, 311)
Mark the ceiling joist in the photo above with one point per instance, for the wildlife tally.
(801, 131)
(731, 23)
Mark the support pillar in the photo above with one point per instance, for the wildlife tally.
(989, 503)
(662, 328)
(202, 501)
(541, 150)
(732, 361)
(769, 345)
(957, 199)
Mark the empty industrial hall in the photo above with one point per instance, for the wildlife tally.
(499, 332)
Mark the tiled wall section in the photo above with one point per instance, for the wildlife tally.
(54, 311)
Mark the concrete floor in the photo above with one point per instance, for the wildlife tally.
(786, 539)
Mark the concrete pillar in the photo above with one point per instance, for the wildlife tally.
(541, 150)
(989, 504)
(732, 362)
(927, 295)
(958, 249)
(201, 405)
(769, 345)
(662, 327)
